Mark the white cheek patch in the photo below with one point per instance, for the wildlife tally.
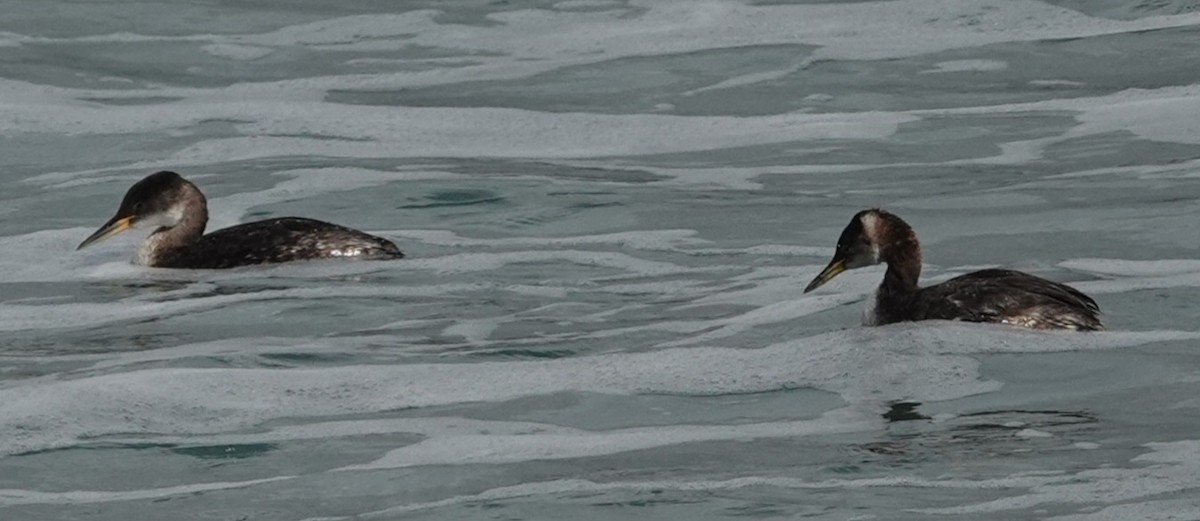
(873, 228)
(167, 219)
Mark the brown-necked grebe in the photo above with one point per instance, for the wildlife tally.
(993, 295)
(179, 212)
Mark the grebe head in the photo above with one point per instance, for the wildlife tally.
(862, 243)
(159, 200)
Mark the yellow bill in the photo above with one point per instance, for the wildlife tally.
(112, 227)
(835, 268)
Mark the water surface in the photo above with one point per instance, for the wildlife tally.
(610, 209)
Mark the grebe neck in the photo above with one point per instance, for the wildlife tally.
(180, 227)
(902, 253)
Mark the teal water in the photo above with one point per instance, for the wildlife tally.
(610, 209)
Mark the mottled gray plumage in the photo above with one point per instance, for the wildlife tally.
(1006, 296)
(180, 212)
(992, 295)
(275, 240)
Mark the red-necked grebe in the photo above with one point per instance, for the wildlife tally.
(993, 295)
(179, 212)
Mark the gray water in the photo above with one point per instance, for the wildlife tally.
(610, 210)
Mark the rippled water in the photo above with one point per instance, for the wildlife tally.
(610, 210)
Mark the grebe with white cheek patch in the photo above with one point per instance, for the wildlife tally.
(993, 295)
(179, 213)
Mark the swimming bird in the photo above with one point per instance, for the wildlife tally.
(179, 213)
(1005, 296)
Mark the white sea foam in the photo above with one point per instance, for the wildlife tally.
(1129, 275)
(531, 41)
(17, 317)
(392, 132)
(1164, 510)
(274, 127)
(1056, 83)
(923, 362)
(1163, 114)
(78, 497)
(311, 182)
(237, 52)
(750, 79)
(967, 66)
(768, 314)
(555, 39)
(547, 442)
(670, 240)
(1126, 490)
(1173, 467)
(1129, 268)
(1048, 487)
(26, 259)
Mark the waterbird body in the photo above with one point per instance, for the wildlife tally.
(992, 295)
(179, 213)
